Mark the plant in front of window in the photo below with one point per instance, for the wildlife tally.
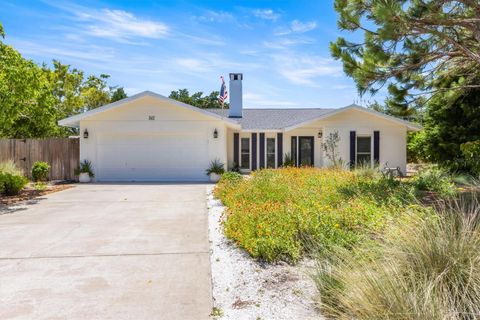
(288, 160)
(85, 171)
(330, 147)
(215, 170)
(234, 167)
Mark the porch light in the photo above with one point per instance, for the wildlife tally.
(215, 133)
(85, 134)
(320, 134)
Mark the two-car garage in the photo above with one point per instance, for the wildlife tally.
(149, 137)
(152, 156)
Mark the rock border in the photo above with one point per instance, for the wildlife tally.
(244, 288)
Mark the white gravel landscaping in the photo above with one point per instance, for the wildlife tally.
(246, 289)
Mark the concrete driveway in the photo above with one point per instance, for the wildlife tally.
(108, 251)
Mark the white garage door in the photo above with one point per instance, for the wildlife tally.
(152, 157)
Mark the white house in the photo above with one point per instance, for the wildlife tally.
(148, 137)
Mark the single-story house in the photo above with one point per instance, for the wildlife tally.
(149, 137)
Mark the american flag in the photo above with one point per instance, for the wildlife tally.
(223, 93)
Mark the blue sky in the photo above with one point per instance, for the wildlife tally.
(280, 46)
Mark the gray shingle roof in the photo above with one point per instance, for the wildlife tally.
(273, 119)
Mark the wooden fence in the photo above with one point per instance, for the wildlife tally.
(62, 154)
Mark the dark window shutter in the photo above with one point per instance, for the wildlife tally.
(254, 151)
(376, 147)
(353, 140)
(236, 148)
(293, 150)
(279, 149)
(262, 150)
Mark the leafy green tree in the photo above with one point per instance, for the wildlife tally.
(198, 99)
(452, 119)
(34, 98)
(117, 94)
(27, 107)
(408, 45)
(95, 92)
(66, 85)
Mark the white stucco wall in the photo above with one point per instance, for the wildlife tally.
(132, 119)
(393, 137)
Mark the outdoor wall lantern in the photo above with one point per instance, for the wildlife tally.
(215, 133)
(85, 134)
(320, 134)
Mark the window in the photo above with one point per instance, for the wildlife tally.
(245, 153)
(270, 152)
(364, 151)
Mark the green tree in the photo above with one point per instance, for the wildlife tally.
(27, 107)
(66, 85)
(198, 99)
(117, 94)
(452, 119)
(408, 45)
(95, 92)
(34, 98)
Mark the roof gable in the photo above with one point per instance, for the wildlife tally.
(73, 121)
(408, 124)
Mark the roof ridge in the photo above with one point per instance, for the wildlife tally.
(287, 109)
(275, 109)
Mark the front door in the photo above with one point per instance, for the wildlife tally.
(305, 151)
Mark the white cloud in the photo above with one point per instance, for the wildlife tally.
(118, 25)
(304, 69)
(203, 63)
(88, 52)
(192, 64)
(121, 25)
(217, 16)
(301, 27)
(266, 14)
(255, 100)
(284, 43)
(296, 26)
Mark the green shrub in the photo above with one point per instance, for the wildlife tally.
(41, 186)
(228, 181)
(367, 171)
(40, 171)
(435, 180)
(11, 178)
(425, 267)
(12, 183)
(10, 167)
(276, 213)
(231, 177)
(471, 154)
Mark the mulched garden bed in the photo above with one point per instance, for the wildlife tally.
(30, 192)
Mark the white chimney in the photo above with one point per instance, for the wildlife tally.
(236, 104)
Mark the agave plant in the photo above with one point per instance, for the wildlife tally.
(85, 167)
(215, 167)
